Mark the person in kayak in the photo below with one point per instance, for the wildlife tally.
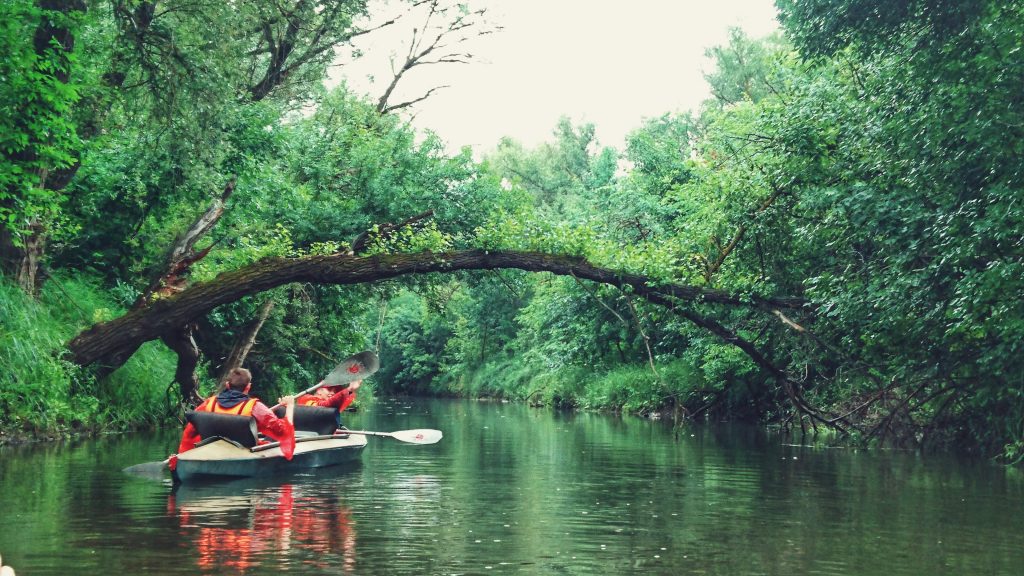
(234, 399)
(331, 396)
(338, 397)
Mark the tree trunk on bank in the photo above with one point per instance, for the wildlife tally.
(246, 340)
(180, 340)
(22, 260)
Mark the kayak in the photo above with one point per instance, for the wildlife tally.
(220, 457)
(231, 448)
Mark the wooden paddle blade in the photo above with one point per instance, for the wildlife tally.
(419, 436)
(356, 367)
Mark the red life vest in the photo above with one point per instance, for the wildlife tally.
(241, 409)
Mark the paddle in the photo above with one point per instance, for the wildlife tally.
(154, 470)
(417, 436)
(356, 367)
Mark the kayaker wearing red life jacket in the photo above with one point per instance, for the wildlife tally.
(234, 399)
(331, 396)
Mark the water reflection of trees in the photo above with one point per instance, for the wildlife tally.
(238, 527)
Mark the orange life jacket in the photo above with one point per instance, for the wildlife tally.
(241, 409)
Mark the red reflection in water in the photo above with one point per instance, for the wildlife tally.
(238, 530)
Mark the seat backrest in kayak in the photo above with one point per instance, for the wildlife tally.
(318, 419)
(241, 429)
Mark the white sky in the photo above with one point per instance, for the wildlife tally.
(610, 63)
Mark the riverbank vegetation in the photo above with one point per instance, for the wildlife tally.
(45, 396)
(833, 241)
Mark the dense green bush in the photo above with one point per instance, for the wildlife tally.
(42, 394)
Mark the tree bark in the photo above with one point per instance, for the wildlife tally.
(181, 341)
(246, 340)
(22, 260)
(170, 279)
(113, 341)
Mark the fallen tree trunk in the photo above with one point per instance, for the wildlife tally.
(112, 342)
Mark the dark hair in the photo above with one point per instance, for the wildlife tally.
(238, 379)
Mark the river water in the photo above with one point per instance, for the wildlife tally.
(515, 490)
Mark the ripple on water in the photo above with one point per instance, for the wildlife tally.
(514, 490)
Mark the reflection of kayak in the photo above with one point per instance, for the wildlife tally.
(223, 458)
(240, 525)
(210, 503)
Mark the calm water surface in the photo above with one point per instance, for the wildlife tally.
(517, 490)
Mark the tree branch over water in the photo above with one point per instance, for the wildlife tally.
(107, 342)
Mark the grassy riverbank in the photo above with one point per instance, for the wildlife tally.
(45, 396)
(628, 388)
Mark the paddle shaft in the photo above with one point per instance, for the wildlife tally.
(368, 433)
(419, 436)
(309, 390)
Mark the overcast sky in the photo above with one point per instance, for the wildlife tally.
(610, 63)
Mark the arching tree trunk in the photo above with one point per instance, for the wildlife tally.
(111, 343)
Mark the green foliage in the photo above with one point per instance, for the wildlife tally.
(629, 388)
(37, 135)
(507, 379)
(356, 169)
(744, 69)
(563, 387)
(563, 179)
(42, 394)
(879, 180)
(898, 160)
(824, 27)
(413, 343)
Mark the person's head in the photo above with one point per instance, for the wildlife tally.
(239, 379)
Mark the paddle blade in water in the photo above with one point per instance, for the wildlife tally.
(154, 470)
(420, 436)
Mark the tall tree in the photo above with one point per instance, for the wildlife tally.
(39, 141)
